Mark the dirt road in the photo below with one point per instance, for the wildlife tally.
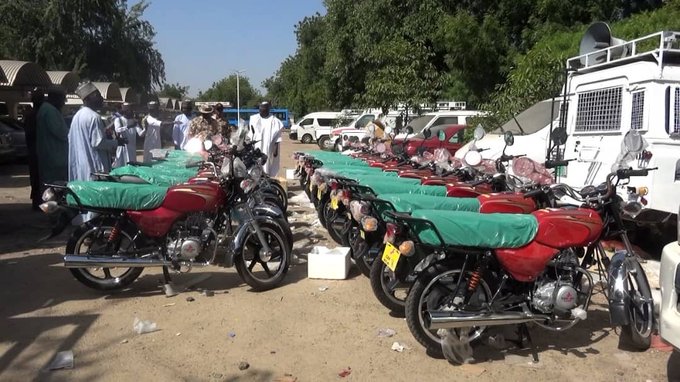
(301, 330)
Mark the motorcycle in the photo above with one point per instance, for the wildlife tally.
(535, 270)
(189, 225)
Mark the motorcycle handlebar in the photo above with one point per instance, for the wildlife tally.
(194, 164)
(626, 173)
(533, 193)
(557, 163)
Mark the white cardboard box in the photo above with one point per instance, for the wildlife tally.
(324, 263)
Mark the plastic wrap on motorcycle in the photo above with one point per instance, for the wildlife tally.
(113, 195)
(618, 297)
(411, 202)
(470, 229)
(165, 177)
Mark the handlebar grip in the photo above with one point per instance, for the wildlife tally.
(533, 193)
(628, 172)
(194, 164)
(556, 163)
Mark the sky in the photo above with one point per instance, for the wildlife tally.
(203, 41)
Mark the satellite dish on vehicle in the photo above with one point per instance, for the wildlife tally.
(598, 36)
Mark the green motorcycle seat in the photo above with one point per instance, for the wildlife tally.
(471, 229)
(411, 202)
(157, 176)
(113, 195)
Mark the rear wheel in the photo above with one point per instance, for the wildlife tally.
(260, 270)
(383, 284)
(638, 333)
(338, 225)
(440, 293)
(359, 250)
(92, 239)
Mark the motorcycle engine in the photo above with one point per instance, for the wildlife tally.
(190, 238)
(555, 291)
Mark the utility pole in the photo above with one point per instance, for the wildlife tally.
(238, 96)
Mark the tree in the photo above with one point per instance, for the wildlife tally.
(100, 39)
(176, 91)
(225, 90)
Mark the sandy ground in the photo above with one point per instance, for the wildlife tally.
(297, 331)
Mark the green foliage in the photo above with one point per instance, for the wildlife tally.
(101, 39)
(225, 90)
(176, 91)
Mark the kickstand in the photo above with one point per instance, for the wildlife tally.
(523, 333)
(167, 284)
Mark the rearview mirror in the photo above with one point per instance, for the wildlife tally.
(633, 141)
(409, 130)
(441, 135)
(559, 136)
(427, 133)
(207, 144)
(479, 132)
(509, 138)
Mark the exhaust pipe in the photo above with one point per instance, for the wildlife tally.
(437, 319)
(73, 261)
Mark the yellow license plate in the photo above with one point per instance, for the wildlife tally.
(362, 234)
(391, 256)
(318, 193)
(334, 203)
(310, 186)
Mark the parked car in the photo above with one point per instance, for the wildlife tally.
(6, 149)
(307, 129)
(440, 118)
(14, 128)
(453, 140)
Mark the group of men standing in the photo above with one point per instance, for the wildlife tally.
(58, 153)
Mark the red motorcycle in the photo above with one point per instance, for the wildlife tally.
(198, 223)
(489, 270)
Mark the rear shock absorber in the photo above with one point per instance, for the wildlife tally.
(115, 232)
(476, 276)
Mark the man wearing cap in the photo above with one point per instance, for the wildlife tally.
(181, 128)
(222, 123)
(127, 130)
(204, 125)
(31, 129)
(89, 149)
(52, 138)
(266, 129)
(152, 134)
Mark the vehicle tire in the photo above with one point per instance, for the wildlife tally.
(274, 188)
(307, 139)
(638, 333)
(338, 225)
(379, 280)
(323, 210)
(249, 258)
(322, 141)
(359, 259)
(425, 295)
(101, 227)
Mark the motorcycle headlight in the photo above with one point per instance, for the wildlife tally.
(255, 173)
(48, 195)
(358, 209)
(240, 170)
(247, 185)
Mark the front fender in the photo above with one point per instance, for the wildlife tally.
(269, 210)
(239, 241)
(619, 301)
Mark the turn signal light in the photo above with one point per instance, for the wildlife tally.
(390, 233)
(642, 191)
(407, 248)
(370, 224)
(49, 207)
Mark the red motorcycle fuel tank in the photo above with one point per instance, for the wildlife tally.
(506, 203)
(526, 263)
(180, 200)
(568, 227)
(461, 190)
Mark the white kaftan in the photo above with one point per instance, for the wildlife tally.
(89, 150)
(267, 131)
(128, 129)
(152, 140)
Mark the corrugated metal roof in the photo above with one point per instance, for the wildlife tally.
(3, 78)
(110, 90)
(23, 73)
(128, 95)
(165, 102)
(68, 80)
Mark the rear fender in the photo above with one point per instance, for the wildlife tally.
(60, 219)
(619, 300)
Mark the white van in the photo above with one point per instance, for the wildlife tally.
(307, 129)
(610, 92)
(439, 118)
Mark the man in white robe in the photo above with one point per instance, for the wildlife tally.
(127, 129)
(181, 128)
(89, 146)
(266, 129)
(152, 134)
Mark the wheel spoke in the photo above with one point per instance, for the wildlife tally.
(107, 273)
(266, 269)
(252, 265)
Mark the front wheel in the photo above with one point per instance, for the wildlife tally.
(307, 139)
(323, 142)
(93, 239)
(638, 333)
(276, 190)
(261, 270)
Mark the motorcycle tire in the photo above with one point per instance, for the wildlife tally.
(323, 211)
(637, 334)
(277, 190)
(83, 275)
(276, 238)
(430, 340)
(361, 261)
(338, 229)
(379, 287)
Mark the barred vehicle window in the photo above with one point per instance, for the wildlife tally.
(676, 122)
(599, 110)
(638, 109)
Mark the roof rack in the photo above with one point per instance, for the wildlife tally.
(660, 47)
